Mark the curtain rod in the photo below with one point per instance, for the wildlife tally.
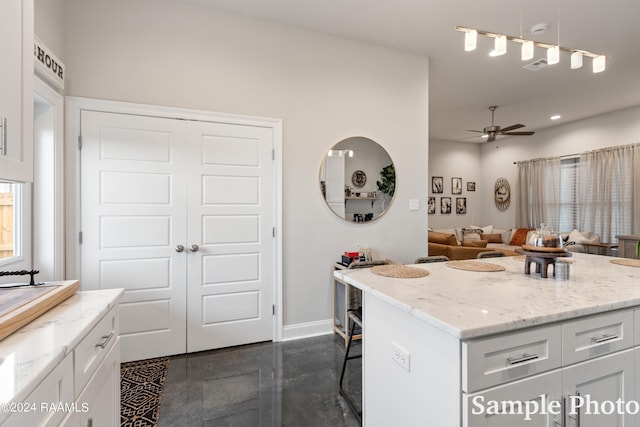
(569, 156)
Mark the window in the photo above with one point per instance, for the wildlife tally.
(568, 194)
(14, 217)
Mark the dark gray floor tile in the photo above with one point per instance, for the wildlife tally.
(266, 384)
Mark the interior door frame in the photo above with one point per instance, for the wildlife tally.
(74, 108)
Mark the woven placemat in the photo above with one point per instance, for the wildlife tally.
(626, 261)
(399, 271)
(475, 266)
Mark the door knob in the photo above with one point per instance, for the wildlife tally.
(194, 248)
(179, 248)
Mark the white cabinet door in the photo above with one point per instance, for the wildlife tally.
(526, 402)
(594, 387)
(99, 403)
(16, 90)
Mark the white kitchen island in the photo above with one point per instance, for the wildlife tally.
(63, 368)
(465, 348)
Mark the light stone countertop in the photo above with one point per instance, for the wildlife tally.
(29, 354)
(469, 304)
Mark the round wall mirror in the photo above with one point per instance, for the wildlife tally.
(358, 179)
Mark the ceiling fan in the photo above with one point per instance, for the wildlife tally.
(493, 130)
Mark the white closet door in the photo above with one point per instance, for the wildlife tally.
(230, 219)
(133, 198)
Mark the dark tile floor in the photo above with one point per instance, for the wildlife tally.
(292, 383)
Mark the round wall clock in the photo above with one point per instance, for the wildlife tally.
(502, 194)
(359, 178)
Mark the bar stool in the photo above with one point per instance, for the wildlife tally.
(355, 316)
(490, 254)
(432, 258)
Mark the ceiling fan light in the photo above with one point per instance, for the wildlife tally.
(599, 64)
(500, 46)
(470, 40)
(553, 55)
(576, 60)
(527, 50)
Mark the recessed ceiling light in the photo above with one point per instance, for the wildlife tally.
(555, 117)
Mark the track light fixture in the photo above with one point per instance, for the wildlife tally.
(553, 51)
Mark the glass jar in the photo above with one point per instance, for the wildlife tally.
(543, 237)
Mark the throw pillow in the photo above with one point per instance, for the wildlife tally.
(442, 238)
(471, 234)
(492, 238)
(475, 244)
(519, 236)
(485, 230)
(595, 239)
(577, 238)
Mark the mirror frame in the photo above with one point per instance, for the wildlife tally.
(364, 173)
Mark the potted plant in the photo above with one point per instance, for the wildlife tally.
(387, 183)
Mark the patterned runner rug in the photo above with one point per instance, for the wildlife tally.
(141, 384)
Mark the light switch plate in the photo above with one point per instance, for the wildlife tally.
(414, 204)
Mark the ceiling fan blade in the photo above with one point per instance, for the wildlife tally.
(491, 138)
(471, 130)
(512, 127)
(517, 133)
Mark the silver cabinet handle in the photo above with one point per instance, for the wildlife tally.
(3, 136)
(525, 358)
(179, 248)
(194, 248)
(106, 339)
(604, 338)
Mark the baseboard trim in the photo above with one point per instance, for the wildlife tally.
(307, 330)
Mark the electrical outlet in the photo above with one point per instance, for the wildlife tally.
(401, 356)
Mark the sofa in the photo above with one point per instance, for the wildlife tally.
(446, 244)
(466, 243)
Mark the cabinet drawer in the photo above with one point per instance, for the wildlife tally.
(93, 348)
(502, 358)
(596, 335)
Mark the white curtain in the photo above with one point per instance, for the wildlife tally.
(609, 191)
(538, 193)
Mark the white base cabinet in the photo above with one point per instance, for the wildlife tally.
(84, 389)
(576, 373)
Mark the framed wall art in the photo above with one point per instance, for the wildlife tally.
(471, 186)
(445, 205)
(461, 205)
(456, 185)
(431, 205)
(437, 186)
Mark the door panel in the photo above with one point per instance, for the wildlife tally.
(230, 219)
(150, 184)
(133, 215)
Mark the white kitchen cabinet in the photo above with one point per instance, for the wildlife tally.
(101, 397)
(16, 90)
(600, 383)
(65, 365)
(541, 390)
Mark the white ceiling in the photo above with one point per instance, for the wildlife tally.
(463, 84)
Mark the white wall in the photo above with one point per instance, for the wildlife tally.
(456, 159)
(48, 27)
(617, 128)
(165, 52)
